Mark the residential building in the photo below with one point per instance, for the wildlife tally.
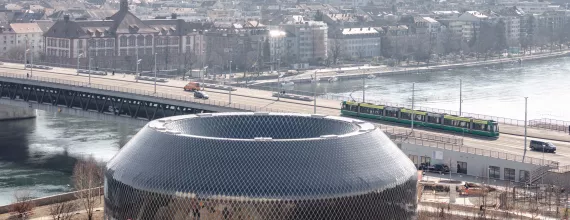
(529, 7)
(122, 39)
(310, 39)
(512, 18)
(278, 44)
(355, 43)
(7, 41)
(28, 36)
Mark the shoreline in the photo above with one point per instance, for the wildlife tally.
(412, 70)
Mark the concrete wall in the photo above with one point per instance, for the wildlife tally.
(12, 113)
(477, 165)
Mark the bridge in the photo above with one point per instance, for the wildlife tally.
(121, 97)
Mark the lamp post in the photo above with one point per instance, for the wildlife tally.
(230, 70)
(278, 80)
(460, 96)
(78, 56)
(90, 58)
(31, 62)
(413, 97)
(525, 122)
(26, 54)
(315, 95)
(137, 70)
(363, 86)
(155, 72)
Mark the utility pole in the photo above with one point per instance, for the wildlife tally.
(155, 72)
(78, 56)
(413, 96)
(31, 62)
(460, 96)
(525, 122)
(363, 87)
(315, 95)
(26, 54)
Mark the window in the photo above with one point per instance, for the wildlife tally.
(148, 40)
(140, 40)
(80, 43)
(132, 40)
(524, 176)
(414, 159)
(494, 172)
(425, 160)
(509, 174)
(392, 112)
(123, 41)
(462, 167)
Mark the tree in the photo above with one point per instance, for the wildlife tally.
(87, 177)
(62, 210)
(188, 60)
(501, 38)
(335, 50)
(16, 52)
(23, 204)
(387, 49)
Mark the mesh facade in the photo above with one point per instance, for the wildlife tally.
(260, 166)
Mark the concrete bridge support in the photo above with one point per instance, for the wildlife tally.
(12, 113)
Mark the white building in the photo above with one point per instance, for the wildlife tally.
(277, 44)
(29, 35)
(309, 39)
(7, 39)
(534, 7)
(358, 42)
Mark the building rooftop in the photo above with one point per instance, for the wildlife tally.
(351, 31)
(23, 28)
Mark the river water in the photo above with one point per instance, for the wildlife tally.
(38, 154)
(497, 90)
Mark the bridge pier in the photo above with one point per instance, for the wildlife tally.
(13, 113)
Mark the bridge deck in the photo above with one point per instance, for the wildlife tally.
(245, 97)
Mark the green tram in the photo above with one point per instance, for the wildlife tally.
(443, 121)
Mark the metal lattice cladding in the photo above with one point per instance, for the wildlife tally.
(260, 166)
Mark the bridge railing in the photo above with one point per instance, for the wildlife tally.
(473, 150)
(142, 92)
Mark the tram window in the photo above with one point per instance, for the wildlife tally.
(448, 122)
(497, 128)
(419, 117)
(435, 120)
(392, 113)
(480, 127)
(464, 124)
(405, 115)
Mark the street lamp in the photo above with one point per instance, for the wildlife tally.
(31, 63)
(230, 70)
(155, 72)
(90, 59)
(78, 56)
(26, 54)
(137, 71)
(525, 122)
(315, 94)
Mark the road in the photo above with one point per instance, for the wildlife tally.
(507, 143)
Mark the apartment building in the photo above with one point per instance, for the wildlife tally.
(309, 39)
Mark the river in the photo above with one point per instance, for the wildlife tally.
(38, 154)
(496, 91)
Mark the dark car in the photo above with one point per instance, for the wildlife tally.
(200, 95)
(437, 168)
(542, 146)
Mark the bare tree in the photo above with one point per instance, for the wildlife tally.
(335, 49)
(87, 177)
(188, 60)
(62, 210)
(16, 53)
(22, 205)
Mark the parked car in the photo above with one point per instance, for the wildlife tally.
(542, 146)
(200, 95)
(437, 168)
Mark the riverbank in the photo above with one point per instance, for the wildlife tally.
(355, 72)
(15, 113)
